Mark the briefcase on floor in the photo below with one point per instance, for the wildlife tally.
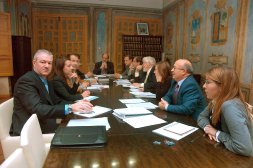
(79, 137)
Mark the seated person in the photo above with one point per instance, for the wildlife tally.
(66, 82)
(104, 66)
(185, 95)
(75, 62)
(227, 119)
(149, 82)
(34, 94)
(128, 72)
(163, 78)
(136, 67)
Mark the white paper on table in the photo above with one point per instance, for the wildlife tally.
(131, 112)
(96, 110)
(97, 87)
(90, 98)
(143, 121)
(125, 101)
(100, 76)
(146, 105)
(134, 90)
(164, 132)
(103, 121)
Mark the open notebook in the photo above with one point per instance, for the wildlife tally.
(79, 137)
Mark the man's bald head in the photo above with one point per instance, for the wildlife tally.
(181, 69)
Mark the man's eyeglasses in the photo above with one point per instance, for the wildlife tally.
(177, 68)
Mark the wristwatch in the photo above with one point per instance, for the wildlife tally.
(70, 108)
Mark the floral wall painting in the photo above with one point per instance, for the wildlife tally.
(219, 20)
(195, 28)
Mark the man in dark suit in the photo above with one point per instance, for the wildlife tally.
(149, 79)
(128, 72)
(104, 66)
(75, 62)
(185, 95)
(33, 94)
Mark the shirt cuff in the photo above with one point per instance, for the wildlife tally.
(142, 85)
(216, 136)
(166, 106)
(66, 109)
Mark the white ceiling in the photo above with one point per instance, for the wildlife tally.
(155, 4)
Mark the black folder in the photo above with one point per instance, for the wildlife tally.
(79, 137)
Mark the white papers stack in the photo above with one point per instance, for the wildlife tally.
(134, 90)
(124, 82)
(143, 121)
(97, 87)
(146, 105)
(130, 112)
(144, 94)
(175, 130)
(90, 98)
(131, 101)
(96, 110)
(103, 121)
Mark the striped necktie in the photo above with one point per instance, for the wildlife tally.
(175, 94)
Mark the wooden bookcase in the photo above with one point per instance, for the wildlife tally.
(143, 46)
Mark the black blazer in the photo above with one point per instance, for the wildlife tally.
(162, 88)
(31, 97)
(65, 92)
(150, 85)
(110, 68)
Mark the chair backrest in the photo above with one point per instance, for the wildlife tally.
(6, 111)
(31, 141)
(9, 144)
(16, 159)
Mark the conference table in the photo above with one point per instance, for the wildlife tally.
(134, 147)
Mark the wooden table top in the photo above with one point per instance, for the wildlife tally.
(130, 147)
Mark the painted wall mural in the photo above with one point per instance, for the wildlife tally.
(222, 22)
(248, 59)
(100, 36)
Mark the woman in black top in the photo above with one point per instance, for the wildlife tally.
(163, 78)
(65, 82)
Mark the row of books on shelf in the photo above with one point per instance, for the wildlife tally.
(142, 46)
(156, 54)
(142, 39)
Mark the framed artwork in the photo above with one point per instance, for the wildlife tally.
(142, 29)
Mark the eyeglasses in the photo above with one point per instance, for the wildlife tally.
(177, 68)
(211, 81)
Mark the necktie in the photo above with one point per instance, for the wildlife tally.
(145, 81)
(46, 84)
(175, 94)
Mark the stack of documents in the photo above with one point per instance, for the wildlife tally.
(125, 101)
(142, 121)
(144, 94)
(103, 121)
(131, 112)
(97, 87)
(146, 105)
(96, 110)
(123, 82)
(175, 130)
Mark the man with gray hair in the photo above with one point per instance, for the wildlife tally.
(185, 95)
(34, 94)
(149, 80)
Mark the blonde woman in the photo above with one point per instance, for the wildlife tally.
(227, 119)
